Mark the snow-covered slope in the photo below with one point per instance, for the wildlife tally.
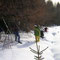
(22, 51)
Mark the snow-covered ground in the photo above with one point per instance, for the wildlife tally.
(22, 51)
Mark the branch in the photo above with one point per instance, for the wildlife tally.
(33, 51)
(44, 49)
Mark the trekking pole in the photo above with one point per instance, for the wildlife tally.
(6, 25)
(8, 34)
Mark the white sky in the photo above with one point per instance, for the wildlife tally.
(54, 1)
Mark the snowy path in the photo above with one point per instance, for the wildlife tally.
(54, 35)
(56, 47)
(22, 51)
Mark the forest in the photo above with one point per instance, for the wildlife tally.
(26, 13)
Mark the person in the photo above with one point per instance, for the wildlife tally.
(3, 26)
(37, 33)
(17, 36)
(0, 31)
(42, 32)
(46, 29)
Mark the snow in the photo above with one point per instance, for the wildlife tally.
(18, 51)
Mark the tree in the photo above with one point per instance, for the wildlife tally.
(27, 12)
(50, 13)
(57, 14)
(38, 52)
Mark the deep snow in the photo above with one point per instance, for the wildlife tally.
(19, 51)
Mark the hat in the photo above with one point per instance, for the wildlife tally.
(35, 25)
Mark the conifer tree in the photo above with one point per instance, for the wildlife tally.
(38, 52)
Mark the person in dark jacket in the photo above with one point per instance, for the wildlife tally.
(2, 26)
(17, 36)
(42, 34)
(0, 31)
(46, 29)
